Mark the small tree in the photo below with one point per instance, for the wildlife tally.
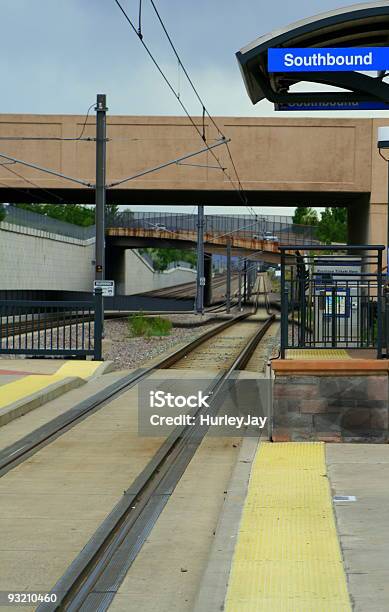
(78, 214)
(333, 226)
(2, 212)
(304, 215)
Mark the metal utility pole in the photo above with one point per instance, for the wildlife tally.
(245, 282)
(101, 161)
(200, 283)
(228, 287)
(383, 143)
(239, 285)
(101, 111)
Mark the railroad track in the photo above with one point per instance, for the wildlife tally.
(187, 290)
(93, 578)
(32, 443)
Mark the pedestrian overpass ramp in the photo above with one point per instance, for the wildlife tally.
(257, 237)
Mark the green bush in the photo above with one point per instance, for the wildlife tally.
(139, 325)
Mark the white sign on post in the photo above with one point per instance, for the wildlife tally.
(107, 287)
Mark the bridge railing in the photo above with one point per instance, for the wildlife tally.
(247, 227)
(274, 228)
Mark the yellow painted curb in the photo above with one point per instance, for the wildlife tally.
(83, 368)
(287, 557)
(29, 385)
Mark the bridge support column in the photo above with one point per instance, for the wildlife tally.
(116, 268)
(208, 279)
(363, 222)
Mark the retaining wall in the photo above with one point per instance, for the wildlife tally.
(333, 402)
(34, 259)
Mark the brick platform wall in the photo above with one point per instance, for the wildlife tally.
(330, 407)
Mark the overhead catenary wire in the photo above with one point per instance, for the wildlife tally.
(18, 189)
(204, 108)
(50, 193)
(46, 170)
(85, 121)
(165, 164)
(241, 194)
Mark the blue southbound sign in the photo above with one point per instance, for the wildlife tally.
(328, 59)
(319, 106)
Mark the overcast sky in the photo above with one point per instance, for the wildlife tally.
(57, 54)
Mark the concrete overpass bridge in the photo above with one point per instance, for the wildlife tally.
(280, 161)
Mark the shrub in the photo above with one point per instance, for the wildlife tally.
(139, 325)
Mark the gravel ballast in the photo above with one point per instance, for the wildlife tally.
(126, 351)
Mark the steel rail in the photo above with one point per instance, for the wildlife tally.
(95, 575)
(21, 450)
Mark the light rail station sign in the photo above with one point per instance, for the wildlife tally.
(328, 59)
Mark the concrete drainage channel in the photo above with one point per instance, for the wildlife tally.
(95, 575)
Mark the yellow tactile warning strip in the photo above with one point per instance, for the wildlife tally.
(287, 557)
(27, 386)
(317, 354)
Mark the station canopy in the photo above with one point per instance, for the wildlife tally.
(359, 25)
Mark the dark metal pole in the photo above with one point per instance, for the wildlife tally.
(98, 330)
(100, 184)
(245, 282)
(334, 315)
(200, 283)
(284, 308)
(228, 292)
(101, 111)
(380, 288)
(387, 232)
(239, 285)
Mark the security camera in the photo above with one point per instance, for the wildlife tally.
(383, 138)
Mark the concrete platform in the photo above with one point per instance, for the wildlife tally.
(27, 384)
(362, 471)
(294, 524)
(287, 555)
